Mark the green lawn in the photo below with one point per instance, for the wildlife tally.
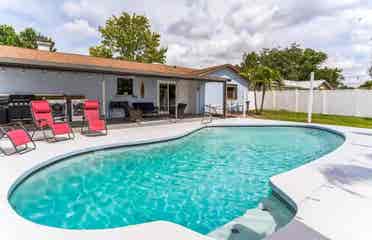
(317, 118)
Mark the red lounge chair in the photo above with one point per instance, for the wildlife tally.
(43, 119)
(93, 123)
(19, 137)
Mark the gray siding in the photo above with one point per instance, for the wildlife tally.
(213, 91)
(18, 80)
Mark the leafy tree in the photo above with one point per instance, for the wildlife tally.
(8, 36)
(294, 63)
(101, 51)
(261, 78)
(26, 39)
(250, 60)
(332, 75)
(370, 71)
(129, 37)
(366, 85)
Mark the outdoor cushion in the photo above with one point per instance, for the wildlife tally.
(61, 128)
(42, 113)
(18, 137)
(92, 116)
(44, 119)
(91, 110)
(91, 105)
(97, 125)
(41, 107)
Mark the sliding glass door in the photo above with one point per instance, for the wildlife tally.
(167, 96)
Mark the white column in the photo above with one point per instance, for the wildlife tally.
(311, 98)
(176, 102)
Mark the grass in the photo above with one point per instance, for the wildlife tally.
(317, 118)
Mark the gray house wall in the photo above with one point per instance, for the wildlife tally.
(19, 80)
(213, 91)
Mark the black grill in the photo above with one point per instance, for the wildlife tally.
(4, 101)
(19, 107)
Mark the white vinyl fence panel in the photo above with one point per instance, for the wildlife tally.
(336, 102)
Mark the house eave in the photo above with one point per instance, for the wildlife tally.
(34, 64)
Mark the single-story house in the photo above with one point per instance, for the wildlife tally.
(305, 85)
(53, 74)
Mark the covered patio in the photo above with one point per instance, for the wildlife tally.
(148, 91)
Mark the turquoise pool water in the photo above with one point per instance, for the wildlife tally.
(201, 181)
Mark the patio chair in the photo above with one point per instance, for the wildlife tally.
(43, 120)
(93, 123)
(181, 107)
(209, 112)
(21, 141)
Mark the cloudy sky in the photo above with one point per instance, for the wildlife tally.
(200, 33)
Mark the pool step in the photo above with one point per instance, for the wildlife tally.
(257, 223)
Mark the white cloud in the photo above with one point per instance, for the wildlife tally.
(201, 32)
(79, 29)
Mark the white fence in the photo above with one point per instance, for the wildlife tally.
(335, 102)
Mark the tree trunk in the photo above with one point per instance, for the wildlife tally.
(263, 98)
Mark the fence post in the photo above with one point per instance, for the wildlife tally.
(296, 100)
(311, 99)
(324, 102)
(355, 99)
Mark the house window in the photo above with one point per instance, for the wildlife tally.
(125, 86)
(232, 91)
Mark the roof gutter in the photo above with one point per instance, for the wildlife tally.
(34, 64)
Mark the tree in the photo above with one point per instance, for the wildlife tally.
(8, 36)
(129, 37)
(366, 85)
(100, 51)
(332, 75)
(261, 78)
(370, 71)
(250, 61)
(295, 63)
(26, 39)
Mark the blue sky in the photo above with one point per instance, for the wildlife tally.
(200, 33)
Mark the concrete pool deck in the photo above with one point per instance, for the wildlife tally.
(332, 195)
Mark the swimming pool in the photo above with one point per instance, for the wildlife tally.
(201, 181)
